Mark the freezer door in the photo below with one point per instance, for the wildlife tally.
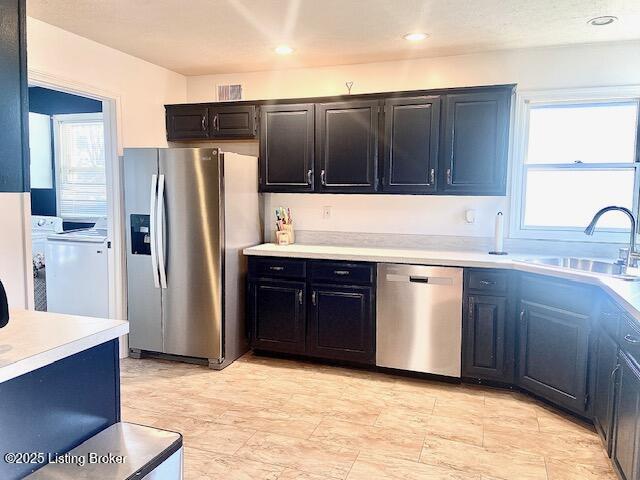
(190, 250)
(143, 297)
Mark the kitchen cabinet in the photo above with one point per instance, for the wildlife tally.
(321, 309)
(276, 313)
(347, 146)
(14, 144)
(553, 354)
(411, 140)
(232, 121)
(287, 148)
(605, 369)
(487, 332)
(187, 122)
(475, 143)
(626, 447)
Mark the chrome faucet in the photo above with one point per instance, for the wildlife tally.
(632, 255)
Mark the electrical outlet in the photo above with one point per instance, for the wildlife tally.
(326, 213)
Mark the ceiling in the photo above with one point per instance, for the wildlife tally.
(196, 37)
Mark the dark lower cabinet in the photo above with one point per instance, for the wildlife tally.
(347, 146)
(605, 368)
(626, 441)
(276, 311)
(287, 148)
(341, 323)
(187, 122)
(475, 143)
(553, 354)
(485, 338)
(411, 138)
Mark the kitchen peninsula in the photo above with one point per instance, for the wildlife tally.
(59, 385)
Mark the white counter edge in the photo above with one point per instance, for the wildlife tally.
(47, 357)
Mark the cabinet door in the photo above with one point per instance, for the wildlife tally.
(187, 122)
(476, 134)
(277, 315)
(347, 146)
(605, 365)
(235, 121)
(411, 137)
(626, 442)
(553, 354)
(484, 338)
(341, 323)
(286, 148)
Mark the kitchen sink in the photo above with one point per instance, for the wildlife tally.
(602, 267)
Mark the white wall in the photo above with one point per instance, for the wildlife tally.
(140, 88)
(540, 68)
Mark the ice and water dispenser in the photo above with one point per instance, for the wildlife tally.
(140, 235)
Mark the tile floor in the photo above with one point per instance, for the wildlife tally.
(264, 418)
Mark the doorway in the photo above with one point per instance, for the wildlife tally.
(74, 202)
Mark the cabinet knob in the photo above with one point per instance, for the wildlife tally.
(487, 283)
(276, 269)
(215, 122)
(313, 298)
(432, 176)
(310, 177)
(323, 179)
(341, 272)
(300, 297)
(523, 312)
(204, 124)
(448, 176)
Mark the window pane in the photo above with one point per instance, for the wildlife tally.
(589, 133)
(82, 188)
(570, 198)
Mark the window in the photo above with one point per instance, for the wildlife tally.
(576, 156)
(81, 185)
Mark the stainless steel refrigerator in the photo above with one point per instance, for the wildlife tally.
(189, 214)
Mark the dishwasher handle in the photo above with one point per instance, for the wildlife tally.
(414, 279)
(433, 280)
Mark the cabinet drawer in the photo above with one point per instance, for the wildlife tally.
(557, 293)
(353, 273)
(277, 267)
(487, 281)
(630, 338)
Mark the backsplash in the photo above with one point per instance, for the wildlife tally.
(452, 242)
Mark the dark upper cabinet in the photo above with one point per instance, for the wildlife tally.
(553, 354)
(473, 159)
(276, 313)
(232, 121)
(341, 323)
(14, 145)
(286, 148)
(411, 140)
(187, 122)
(347, 146)
(484, 340)
(605, 367)
(626, 437)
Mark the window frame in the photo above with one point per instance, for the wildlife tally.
(524, 102)
(58, 121)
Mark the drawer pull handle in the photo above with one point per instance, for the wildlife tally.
(313, 298)
(487, 283)
(276, 269)
(341, 272)
(631, 339)
(300, 297)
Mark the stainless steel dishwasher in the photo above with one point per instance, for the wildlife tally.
(419, 318)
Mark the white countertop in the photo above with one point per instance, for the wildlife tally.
(625, 293)
(33, 340)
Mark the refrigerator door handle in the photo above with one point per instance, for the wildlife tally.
(152, 225)
(160, 233)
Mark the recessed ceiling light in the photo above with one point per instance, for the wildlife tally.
(284, 50)
(415, 37)
(604, 20)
